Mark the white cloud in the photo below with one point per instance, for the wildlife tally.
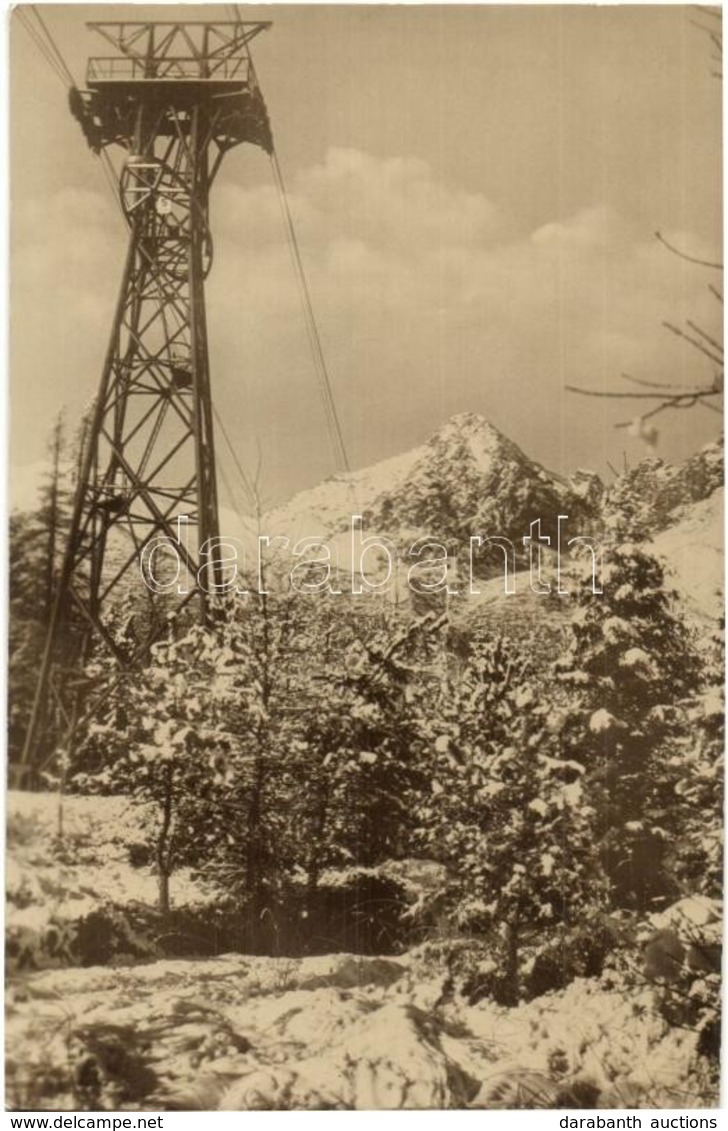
(428, 303)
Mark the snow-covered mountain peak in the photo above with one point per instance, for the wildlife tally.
(472, 425)
(471, 432)
(466, 478)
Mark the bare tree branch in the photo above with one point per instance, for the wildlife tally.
(676, 403)
(650, 384)
(718, 359)
(667, 395)
(611, 394)
(714, 13)
(682, 400)
(717, 345)
(688, 258)
(707, 30)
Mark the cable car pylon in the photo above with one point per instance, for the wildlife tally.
(174, 97)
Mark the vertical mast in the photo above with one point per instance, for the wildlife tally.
(173, 98)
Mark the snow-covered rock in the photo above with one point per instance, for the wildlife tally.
(693, 552)
(390, 1058)
(586, 1040)
(654, 495)
(602, 721)
(467, 478)
(695, 911)
(253, 1033)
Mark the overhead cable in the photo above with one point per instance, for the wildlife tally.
(332, 417)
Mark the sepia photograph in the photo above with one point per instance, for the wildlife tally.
(365, 559)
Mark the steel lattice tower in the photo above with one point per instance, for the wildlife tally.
(175, 97)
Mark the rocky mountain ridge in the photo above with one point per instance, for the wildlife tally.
(466, 479)
(469, 479)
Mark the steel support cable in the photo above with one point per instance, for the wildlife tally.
(231, 495)
(68, 77)
(319, 367)
(306, 318)
(42, 46)
(44, 52)
(247, 485)
(25, 21)
(64, 76)
(113, 183)
(53, 46)
(332, 416)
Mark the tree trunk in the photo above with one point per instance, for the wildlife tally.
(163, 892)
(253, 846)
(511, 963)
(53, 520)
(164, 847)
(321, 796)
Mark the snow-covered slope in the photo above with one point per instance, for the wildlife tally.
(328, 507)
(467, 478)
(692, 550)
(654, 494)
(242, 1033)
(343, 1030)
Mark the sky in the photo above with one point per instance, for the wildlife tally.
(475, 191)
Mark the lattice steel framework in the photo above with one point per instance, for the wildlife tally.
(174, 98)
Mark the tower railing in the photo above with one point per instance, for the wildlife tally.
(115, 68)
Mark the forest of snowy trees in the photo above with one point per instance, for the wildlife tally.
(304, 755)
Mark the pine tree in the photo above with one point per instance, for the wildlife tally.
(362, 749)
(35, 545)
(630, 657)
(697, 762)
(508, 814)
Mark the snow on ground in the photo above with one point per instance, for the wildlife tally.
(326, 509)
(64, 878)
(341, 1031)
(320, 510)
(239, 1032)
(692, 550)
(614, 1041)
